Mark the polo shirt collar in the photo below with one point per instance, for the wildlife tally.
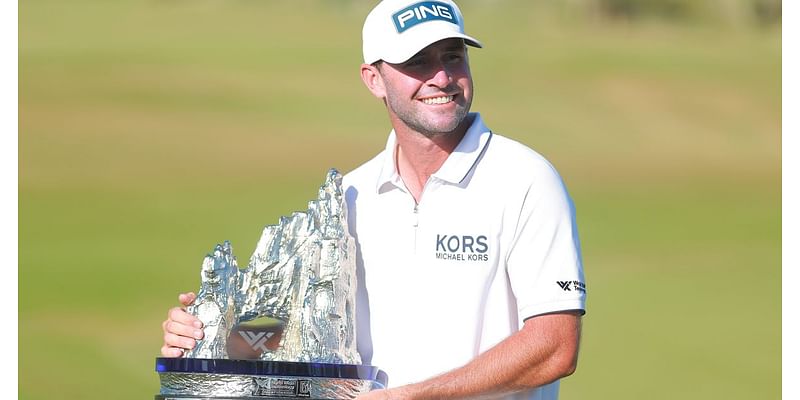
(454, 169)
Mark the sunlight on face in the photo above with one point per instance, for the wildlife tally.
(431, 93)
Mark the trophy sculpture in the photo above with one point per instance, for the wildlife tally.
(284, 327)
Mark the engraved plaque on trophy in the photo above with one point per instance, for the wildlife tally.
(284, 326)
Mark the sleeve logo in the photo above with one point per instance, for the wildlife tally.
(569, 286)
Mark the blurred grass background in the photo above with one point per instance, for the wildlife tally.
(151, 130)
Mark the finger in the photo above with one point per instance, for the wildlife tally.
(183, 342)
(179, 329)
(174, 352)
(180, 316)
(187, 298)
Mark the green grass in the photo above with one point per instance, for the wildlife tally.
(685, 293)
(150, 131)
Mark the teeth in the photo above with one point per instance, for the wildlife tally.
(438, 100)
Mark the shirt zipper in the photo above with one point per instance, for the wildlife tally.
(415, 215)
(415, 225)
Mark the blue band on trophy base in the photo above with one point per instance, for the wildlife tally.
(271, 368)
(201, 378)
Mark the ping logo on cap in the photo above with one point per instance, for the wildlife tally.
(423, 11)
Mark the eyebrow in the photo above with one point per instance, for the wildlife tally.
(457, 46)
(460, 46)
(454, 47)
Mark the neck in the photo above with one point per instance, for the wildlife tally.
(420, 156)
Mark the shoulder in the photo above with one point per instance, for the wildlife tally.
(522, 163)
(513, 151)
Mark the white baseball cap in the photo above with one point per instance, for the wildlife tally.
(395, 30)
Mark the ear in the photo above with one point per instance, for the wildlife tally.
(373, 80)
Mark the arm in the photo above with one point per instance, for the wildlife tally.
(544, 350)
(181, 329)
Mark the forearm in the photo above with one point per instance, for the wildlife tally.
(542, 352)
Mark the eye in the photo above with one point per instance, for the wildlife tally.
(453, 58)
(415, 62)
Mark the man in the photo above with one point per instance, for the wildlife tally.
(470, 275)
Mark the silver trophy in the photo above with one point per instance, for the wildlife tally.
(284, 327)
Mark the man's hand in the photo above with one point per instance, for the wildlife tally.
(181, 329)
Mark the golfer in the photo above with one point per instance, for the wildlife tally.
(471, 283)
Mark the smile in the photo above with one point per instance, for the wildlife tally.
(438, 100)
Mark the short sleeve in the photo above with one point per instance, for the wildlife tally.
(544, 262)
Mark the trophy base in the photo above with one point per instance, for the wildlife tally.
(222, 379)
(161, 397)
(170, 397)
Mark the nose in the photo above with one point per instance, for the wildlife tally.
(441, 76)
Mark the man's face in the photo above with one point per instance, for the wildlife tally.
(430, 93)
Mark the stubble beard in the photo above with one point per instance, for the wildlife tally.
(415, 119)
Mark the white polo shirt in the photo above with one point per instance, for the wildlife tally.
(492, 242)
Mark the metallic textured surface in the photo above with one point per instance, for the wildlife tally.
(247, 386)
(215, 303)
(302, 272)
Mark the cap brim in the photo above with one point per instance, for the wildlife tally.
(402, 55)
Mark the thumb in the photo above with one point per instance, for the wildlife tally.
(187, 298)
